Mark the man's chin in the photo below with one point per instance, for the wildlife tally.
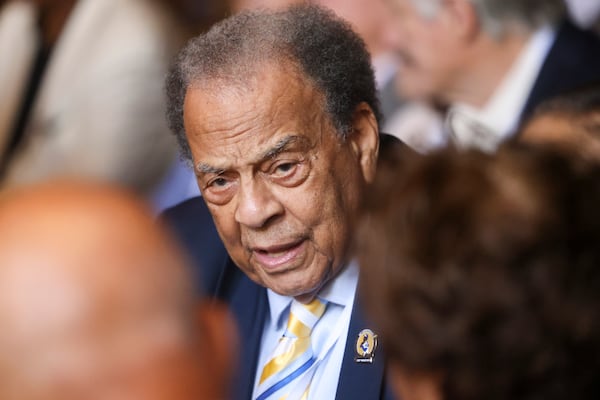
(293, 289)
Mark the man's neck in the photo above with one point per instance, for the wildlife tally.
(488, 64)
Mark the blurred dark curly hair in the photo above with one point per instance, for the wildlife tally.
(321, 46)
(484, 270)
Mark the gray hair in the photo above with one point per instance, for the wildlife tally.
(497, 16)
(320, 45)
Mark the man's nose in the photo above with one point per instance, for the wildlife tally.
(257, 205)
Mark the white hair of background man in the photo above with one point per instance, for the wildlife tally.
(585, 13)
(499, 16)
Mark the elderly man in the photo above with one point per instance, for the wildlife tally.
(277, 113)
(95, 303)
(493, 61)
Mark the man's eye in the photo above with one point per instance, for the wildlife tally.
(219, 190)
(285, 167)
(284, 170)
(218, 182)
(218, 185)
(289, 173)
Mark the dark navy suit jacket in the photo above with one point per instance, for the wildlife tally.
(573, 62)
(223, 280)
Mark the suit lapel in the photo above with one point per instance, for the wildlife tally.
(573, 61)
(361, 380)
(249, 304)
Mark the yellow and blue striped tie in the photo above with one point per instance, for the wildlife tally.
(293, 357)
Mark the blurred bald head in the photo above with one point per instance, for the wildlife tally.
(95, 301)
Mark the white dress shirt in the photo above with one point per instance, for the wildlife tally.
(340, 294)
(487, 127)
(585, 13)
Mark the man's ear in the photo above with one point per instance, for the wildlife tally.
(219, 337)
(364, 139)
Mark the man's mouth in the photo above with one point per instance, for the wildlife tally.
(278, 256)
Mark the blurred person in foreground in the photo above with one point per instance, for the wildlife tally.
(491, 61)
(483, 274)
(570, 121)
(277, 113)
(95, 303)
(82, 91)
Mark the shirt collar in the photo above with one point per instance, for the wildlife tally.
(501, 113)
(339, 291)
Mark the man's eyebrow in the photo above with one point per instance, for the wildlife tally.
(209, 169)
(279, 147)
(283, 145)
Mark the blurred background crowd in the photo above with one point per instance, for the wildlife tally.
(82, 90)
(499, 107)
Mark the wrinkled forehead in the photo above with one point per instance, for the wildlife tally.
(267, 92)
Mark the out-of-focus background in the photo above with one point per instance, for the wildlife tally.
(82, 86)
(96, 297)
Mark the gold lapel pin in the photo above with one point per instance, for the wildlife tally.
(366, 344)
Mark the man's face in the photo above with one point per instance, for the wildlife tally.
(428, 51)
(282, 187)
